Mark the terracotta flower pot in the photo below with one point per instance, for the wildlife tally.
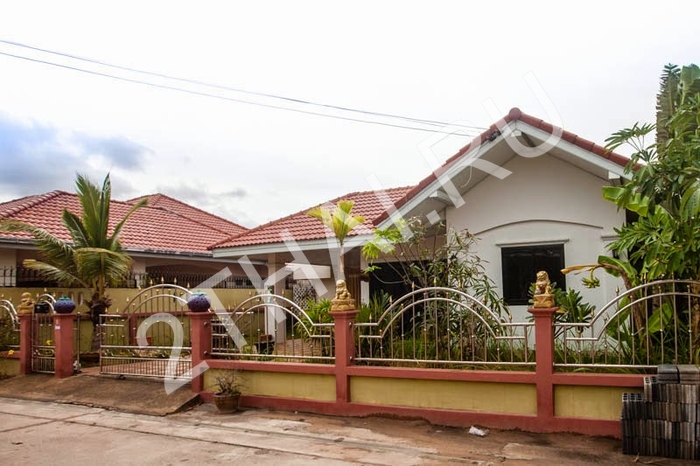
(227, 402)
(198, 302)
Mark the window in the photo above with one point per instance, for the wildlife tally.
(521, 264)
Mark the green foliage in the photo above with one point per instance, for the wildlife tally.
(378, 303)
(572, 308)
(8, 335)
(228, 382)
(431, 256)
(319, 311)
(663, 189)
(341, 221)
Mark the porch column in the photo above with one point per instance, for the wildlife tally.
(63, 337)
(273, 325)
(25, 343)
(364, 284)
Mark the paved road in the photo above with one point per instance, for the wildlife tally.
(43, 433)
(39, 433)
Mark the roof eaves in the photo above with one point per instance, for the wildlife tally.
(334, 201)
(492, 132)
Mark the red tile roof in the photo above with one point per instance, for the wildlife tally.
(186, 210)
(514, 115)
(151, 229)
(304, 228)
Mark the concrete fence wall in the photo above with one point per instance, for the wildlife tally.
(539, 401)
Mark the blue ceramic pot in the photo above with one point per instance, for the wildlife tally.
(64, 305)
(198, 302)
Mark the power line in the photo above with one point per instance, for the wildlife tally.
(259, 94)
(231, 99)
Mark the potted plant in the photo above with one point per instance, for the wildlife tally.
(228, 394)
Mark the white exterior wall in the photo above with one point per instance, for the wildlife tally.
(544, 201)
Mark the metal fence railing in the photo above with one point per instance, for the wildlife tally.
(443, 327)
(9, 326)
(268, 327)
(23, 277)
(648, 325)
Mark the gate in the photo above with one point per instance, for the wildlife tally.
(43, 343)
(151, 338)
(43, 349)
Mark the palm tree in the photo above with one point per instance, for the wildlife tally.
(341, 222)
(93, 258)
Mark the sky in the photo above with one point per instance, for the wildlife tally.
(592, 67)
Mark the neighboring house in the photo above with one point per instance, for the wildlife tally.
(167, 238)
(299, 239)
(529, 212)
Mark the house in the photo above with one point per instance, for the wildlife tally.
(290, 243)
(530, 191)
(166, 239)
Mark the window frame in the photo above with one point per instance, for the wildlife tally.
(513, 283)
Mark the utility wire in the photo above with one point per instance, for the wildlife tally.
(259, 94)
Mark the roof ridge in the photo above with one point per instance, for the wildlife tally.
(137, 199)
(278, 220)
(36, 199)
(514, 114)
(161, 195)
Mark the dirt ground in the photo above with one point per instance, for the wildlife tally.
(452, 445)
(498, 447)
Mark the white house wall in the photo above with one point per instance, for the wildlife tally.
(544, 201)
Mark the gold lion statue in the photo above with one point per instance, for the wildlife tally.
(543, 296)
(542, 285)
(342, 301)
(26, 304)
(341, 290)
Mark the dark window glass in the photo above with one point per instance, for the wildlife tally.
(521, 264)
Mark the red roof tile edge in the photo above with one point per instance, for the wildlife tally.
(31, 202)
(254, 230)
(513, 115)
(37, 199)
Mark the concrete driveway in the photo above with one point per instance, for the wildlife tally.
(38, 433)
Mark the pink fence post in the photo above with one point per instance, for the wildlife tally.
(544, 357)
(200, 339)
(25, 343)
(344, 352)
(63, 344)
